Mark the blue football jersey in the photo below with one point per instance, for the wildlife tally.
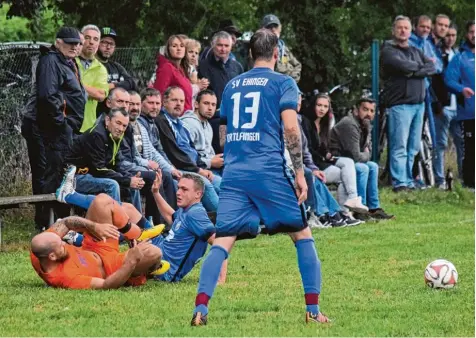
(251, 105)
(186, 242)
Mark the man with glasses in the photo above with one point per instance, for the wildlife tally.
(117, 75)
(53, 114)
(93, 74)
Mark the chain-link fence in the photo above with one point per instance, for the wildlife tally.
(17, 68)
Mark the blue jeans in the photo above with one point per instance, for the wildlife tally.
(212, 189)
(445, 124)
(90, 185)
(367, 183)
(405, 123)
(319, 198)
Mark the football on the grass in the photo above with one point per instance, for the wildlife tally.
(441, 274)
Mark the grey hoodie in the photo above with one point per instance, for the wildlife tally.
(201, 134)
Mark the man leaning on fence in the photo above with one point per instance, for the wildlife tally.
(404, 71)
(53, 114)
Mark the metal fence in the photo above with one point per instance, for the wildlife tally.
(17, 68)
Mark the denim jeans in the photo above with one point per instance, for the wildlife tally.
(445, 124)
(319, 198)
(367, 183)
(212, 189)
(90, 185)
(405, 123)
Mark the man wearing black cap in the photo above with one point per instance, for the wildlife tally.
(117, 75)
(287, 64)
(54, 113)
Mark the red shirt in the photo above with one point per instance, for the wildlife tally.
(168, 75)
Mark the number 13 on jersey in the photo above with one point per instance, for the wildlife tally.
(249, 109)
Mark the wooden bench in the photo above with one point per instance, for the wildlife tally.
(23, 201)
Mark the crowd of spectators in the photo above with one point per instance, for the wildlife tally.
(87, 111)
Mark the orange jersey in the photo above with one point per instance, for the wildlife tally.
(76, 272)
(93, 260)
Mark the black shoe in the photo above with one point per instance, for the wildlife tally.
(401, 189)
(351, 222)
(199, 320)
(363, 217)
(325, 220)
(337, 221)
(380, 214)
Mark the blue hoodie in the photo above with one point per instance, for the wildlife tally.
(458, 75)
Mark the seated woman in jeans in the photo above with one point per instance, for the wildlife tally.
(316, 125)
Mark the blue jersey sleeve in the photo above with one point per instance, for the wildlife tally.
(199, 224)
(289, 95)
(223, 110)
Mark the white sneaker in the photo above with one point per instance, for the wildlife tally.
(314, 223)
(67, 185)
(442, 186)
(355, 204)
(73, 238)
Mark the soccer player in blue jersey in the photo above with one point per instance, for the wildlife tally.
(259, 111)
(191, 229)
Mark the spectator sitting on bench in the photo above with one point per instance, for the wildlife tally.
(98, 264)
(131, 163)
(95, 154)
(180, 149)
(350, 137)
(201, 132)
(190, 228)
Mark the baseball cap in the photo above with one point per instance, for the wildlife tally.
(229, 27)
(108, 31)
(270, 19)
(68, 35)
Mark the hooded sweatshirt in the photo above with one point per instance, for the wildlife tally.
(458, 75)
(201, 134)
(167, 75)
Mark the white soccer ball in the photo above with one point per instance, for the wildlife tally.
(441, 274)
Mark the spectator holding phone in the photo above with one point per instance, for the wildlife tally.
(316, 126)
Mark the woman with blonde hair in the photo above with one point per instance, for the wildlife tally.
(192, 51)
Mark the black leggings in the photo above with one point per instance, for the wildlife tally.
(467, 128)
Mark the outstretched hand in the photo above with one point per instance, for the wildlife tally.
(157, 182)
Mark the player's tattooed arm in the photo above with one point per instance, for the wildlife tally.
(222, 136)
(62, 226)
(294, 146)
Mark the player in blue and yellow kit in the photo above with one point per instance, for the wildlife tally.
(259, 111)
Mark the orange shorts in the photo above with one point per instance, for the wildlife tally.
(111, 258)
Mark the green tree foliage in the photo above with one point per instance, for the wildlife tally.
(331, 38)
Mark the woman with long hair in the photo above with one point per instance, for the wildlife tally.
(192, 52)
(316, 124)
(173, 68)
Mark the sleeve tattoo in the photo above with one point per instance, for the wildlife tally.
(74, 223)
(293, 143)
(222, 136)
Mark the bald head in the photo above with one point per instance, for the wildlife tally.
(45, 243)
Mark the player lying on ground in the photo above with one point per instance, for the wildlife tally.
(98, 264)
(191, 229)
(259, 110)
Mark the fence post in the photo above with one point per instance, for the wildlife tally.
(375, 93)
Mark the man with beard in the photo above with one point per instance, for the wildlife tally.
(439, 32)
(351, 138)
(117, 75)
(93, 74)
(404, 69)
(459, 78)
(201, 132)
(98, 264)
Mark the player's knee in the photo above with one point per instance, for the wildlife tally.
(103, 199)
(301, 234)
(154, 254)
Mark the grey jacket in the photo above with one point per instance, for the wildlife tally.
(349, 139)
(150, 153)
(201, 134)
